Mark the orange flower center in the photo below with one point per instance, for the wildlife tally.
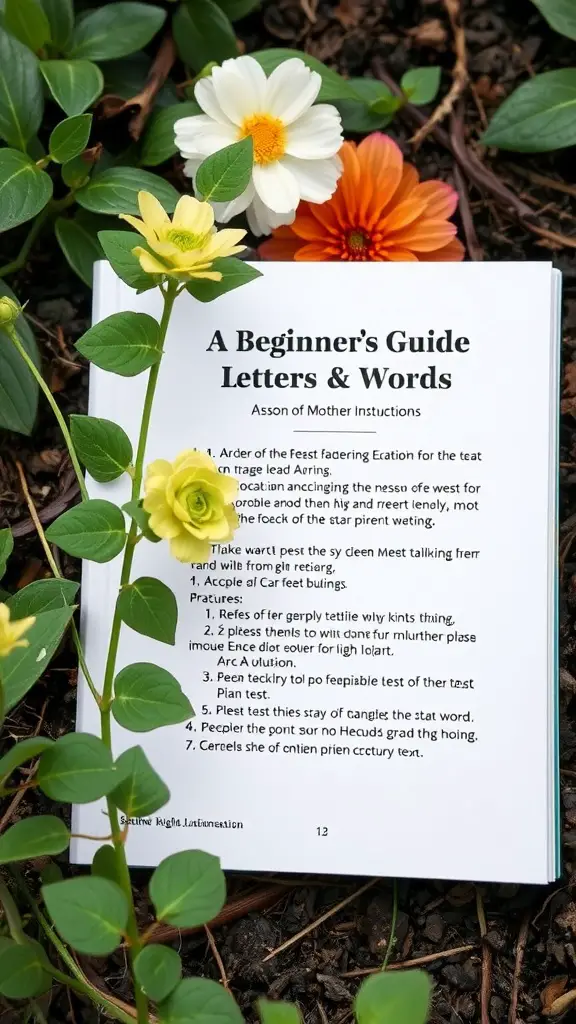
(358, 245)
(268, 135)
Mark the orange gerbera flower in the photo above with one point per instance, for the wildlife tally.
(380, 211)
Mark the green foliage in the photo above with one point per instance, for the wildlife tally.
(104, 863)
(141, 518)
(148, 606)
(141, 791)
(115, 30)
(158, 143)
(26, 19)
(148, 697)
(22, 969)
(421, 84)
(278, 1012)
(78, 239)
(43, 596)
(77, 768)
(18, 389)
(20, 753)
(60, 14)
(537, 117)
(90, 913)
(390, 997)
(188, 889)
(560, 14)
(6, 549)
(22, 668)
(33, 837)
(236, 9)
(158, 970)
(234, 274)
(226, 174)
(21, 102)
(202, 32)
(24, 188)
(199, 1001)
(70, 138)
(118, 246)
(102, 446)
(358, 114)
(124, 343)
(116, 191)
(94, 529)
(74, 84)
(334, 87)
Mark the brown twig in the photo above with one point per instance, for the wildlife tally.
(217, 957)
(112, 105)
(475, 250)
(486, 985)
(320, 920)
(259, 900)
(543, 179)
(49, 512)
(459, 74)
(360, 972)
(520, 947)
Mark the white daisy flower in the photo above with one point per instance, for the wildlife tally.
(295, 144)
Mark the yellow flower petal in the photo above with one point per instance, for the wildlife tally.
(140, 226)
(205, 275)
(11, 631)
(163, 523)
(189, 549)
(223, 243)
(193, 459)
(153, 213)
(149, 263)
(192, 215)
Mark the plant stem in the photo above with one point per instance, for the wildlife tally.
(122, 869)
(13, 919)
(392, 939)
(51, 209)
(13, 335)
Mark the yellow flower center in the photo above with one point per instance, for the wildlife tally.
(357, 241)
(268, 135)
(185, 240)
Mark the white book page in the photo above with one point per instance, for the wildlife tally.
(371, 672)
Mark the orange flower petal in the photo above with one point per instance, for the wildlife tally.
(309, 227)
(425, 235)
(313, 251)
(408, 182)
(442, 198)
(400, 256)
(345, 200)
(403, 214)
(454, 252)
(381, 163)
(282, 246)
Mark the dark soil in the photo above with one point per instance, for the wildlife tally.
(517, 940)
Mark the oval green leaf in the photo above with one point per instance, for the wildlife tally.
(226, 174)
(18, 388)
(34, 837)
(124, 343)
(334, 87)
(357, 115)
(158, 142)
(74, 84)
(148, 697)
(141, 518)
(79, 244)
(70, 138)
(25, 665)
(149, 607)
(273, 1011)
(27, 20)
(234, 272)
(102, 446)
(60, 14)
(200, 1001)
(6, 549)
(141, 791)
(202, 32)
(42, 596)
(21, 100)
(560, 14)
(20, 753)
(22, 969)
(89, 912)
(24, 188)
(236, 9)
(104, 863)
(537, 117)
(118, 246)
(420, 85)
(115, 30)
(188, 889)
(94, 529)
(77, 768)
(116, 191)
(393, 996)
(158, 970)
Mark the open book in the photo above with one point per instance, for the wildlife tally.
(372, 660)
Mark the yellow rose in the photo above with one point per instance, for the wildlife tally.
(190, 504)
(11, 632)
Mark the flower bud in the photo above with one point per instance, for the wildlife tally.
(9, 311)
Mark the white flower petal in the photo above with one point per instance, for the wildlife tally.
(316, 135)
(207, 140)
(240, 88)
(205, 95)
(225, 211)
(276, 186)
(291, 90)
(191, 166)
(317, 179)
(262, 221)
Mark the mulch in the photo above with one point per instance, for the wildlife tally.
(495, 953)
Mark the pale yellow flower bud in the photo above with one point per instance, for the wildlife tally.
(11, 632)
(9, 311)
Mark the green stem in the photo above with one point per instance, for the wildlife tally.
(50, 210)
(13, 919)
(392, 939)
(13, 335)
(123, 873)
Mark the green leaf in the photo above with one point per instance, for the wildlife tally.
(537, 117)
(118, 246)
(116, 191)
(50, 872)
(277, 1012)
(390, 997)
(420, 85)
(25, 665)
(234, 274)
(79, 244)
(26, 20)
(334, 87)
(236, 9)
(18, 388)
(200, 1001)
(357, 114)
(70, 138)
(21, 100)
(75, 174)
(77, 768)
(42, 596)
(148, 606)
(20, 753)
(560, 14)
(158, 142)
(22, 969)
(202, 32)
(115, 30)
(141, 518)
(158, 970)
(148, 697)
(24, 188)
(60, 14)
(102, 446)
(141, 791)
(226, 174)
(39, 836)
(74, 84)
(6, 549)
(89, 912)
(188, 889)
(94, 529)
(124, 343)
(104, 863)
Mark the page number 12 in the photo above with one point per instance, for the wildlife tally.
(322, 830)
